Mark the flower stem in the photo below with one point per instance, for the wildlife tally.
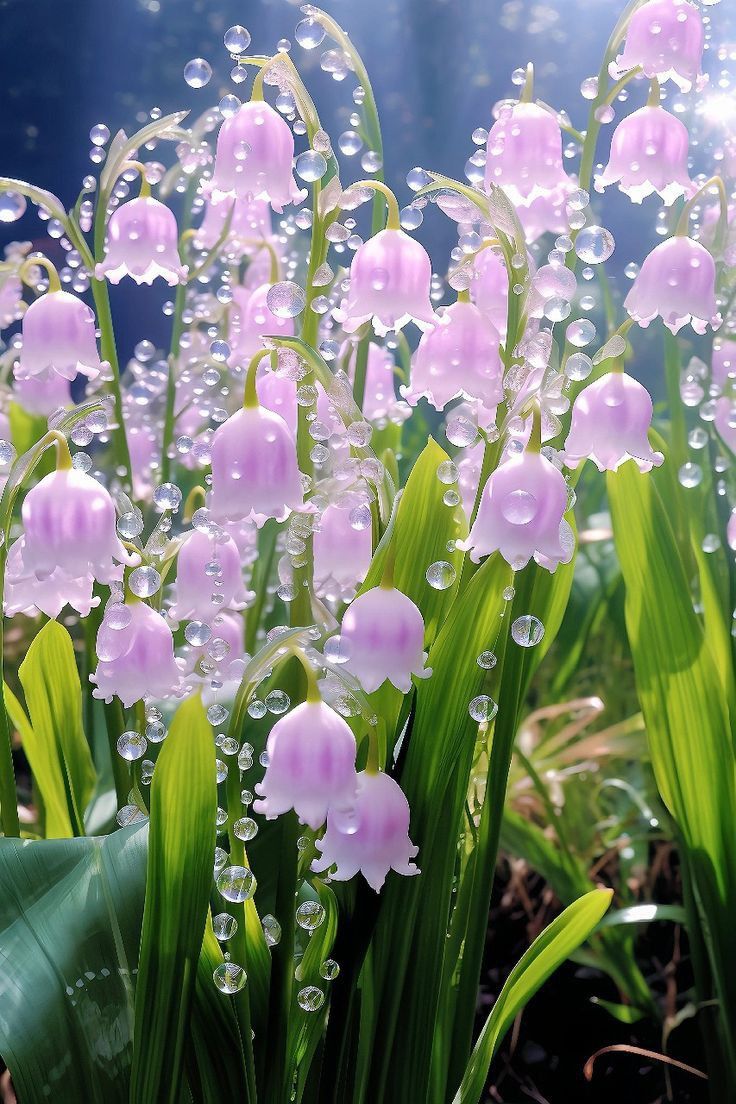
(393, 221)
(527, 92)
(682, 228)
(250, 397)
(41, 262)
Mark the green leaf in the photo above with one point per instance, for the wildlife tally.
(70, 915)
(25, 430)
(624, 1013)
(53, 737)
(645, 914)
(178, 881)
(548, 951)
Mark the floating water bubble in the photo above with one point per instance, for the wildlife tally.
(229, 977)
(197, 73)
(697, 438)
(580, 333)
(337, 650)
(236, 883)
(309, 33)
(594, 244)
(224, 926)
(236, 39)
(286, 299)
(310, 915)
(482, 708)
(440, 575)
(131, 746)
(690, 475)
(12, 206)
(271, 930)
(310, 998)
(329, 969)
(144, 581)
(527, 631)
(310, 166)
(229, 105)
(167, 497)
(99, 134)
(578, 367)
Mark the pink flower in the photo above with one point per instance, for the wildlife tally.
(379, 400)
(59, 337)
(255, 150)
(143, 445)
(253, 320)
(390, 278)
(545, 213)
(524, 152)
(251, 220)
(254, 468)
(311, 765)
(489, 289)
(649, 152)
(69, 523)
(143, 242)
(384, 634)
(610, 422)
(11, 298)
(26, 593)
(379, 843)
(459, 357)
(342, 553)
(725, 421)
(42, 394)
(664, 37)
(521, 511)
(208, 578)
(723, 364)
(278, 394)
(677, 281)
(136, 661)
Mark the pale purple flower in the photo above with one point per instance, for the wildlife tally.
(489, 288)
(610, 422)
(723, 364)
(457, 358)
(254, 468)
(69, 523)
(144, 449)
(383, 631)
(135, 661)
(677, 281)
(27, 593)
(725, 420)
(379, 399)
(342, 553)
(255, 150)
(201, 591)
(664, 37)
(379, 843)
(524, 152)
(311, 765)
(521, 509)
(42, 394)
(59, 337)
(11, 298)
(277, 393)
(545, 213)
(390, 278)
(649, 151)
(251, 321)
(250, 221)
(143, 243)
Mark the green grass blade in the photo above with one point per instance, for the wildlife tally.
(548, 951)
(54, 739)
(178, 883)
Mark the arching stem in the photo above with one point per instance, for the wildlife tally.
(393, 220)
(40, 262)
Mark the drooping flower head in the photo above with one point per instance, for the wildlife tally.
(59, 339)
(677, 281)
(136, 660)
(649, 151)
(378, 838)
(42, 394)
(143, 243)
(209, 578)
(524, 152)
(252, 320)
(255, 150)
(664, 37)
(342, 552)
(383, 631)
(610, 422)
(390, 278)
(251, 221)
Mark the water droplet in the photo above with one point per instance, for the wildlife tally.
(508, 593)
(487, 661)
(144, 581)
(224, 926)
(329, 969)
(594, 244)
(286, 299)
(310, 998)
(309, 33)
(216, 714)
(131, 746)
(229, 977)
(197, 73)
(245, 828)
(447, 472)
(337, 650)
(580, 333)
(578, 367)
(12, 206)
(690, 475)
(257, 709)
(440, 575)
(482, 708)
(277, 701)
(527, 631)
(271, 930)
(167, 497)
(310, 915)
(236, 883)
(519, 507)
(236, 39)
(310, 166)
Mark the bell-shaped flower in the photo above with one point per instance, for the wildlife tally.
(377, 835)
(278, 394)
(251, 221)
(521, 509)
(383, 632)
(610, 422)
(255, 151)
(379, 397)
(664, 37)
(390, 279)
(677, 281)
(725, 421)
(723, 363)
(459, 357)
(311, 765)
(69, 523)
(254, 468)
(143, 243)
(545, 213)
(26, 593)
(524, 152)
(342, 553)
(11, 298)
(137, 660)
(144, 448)
(59, 338)
(42, 394)
(209, 578)
(253, 320)
(216, 667)
(649, 151)
(489, 288)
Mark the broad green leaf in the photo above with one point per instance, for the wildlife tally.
(70, 916)
(25, 430)
(305, 1028)
(645, 914)
(178, 881)
(423, 527)
(548, 951)
(54, 739)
